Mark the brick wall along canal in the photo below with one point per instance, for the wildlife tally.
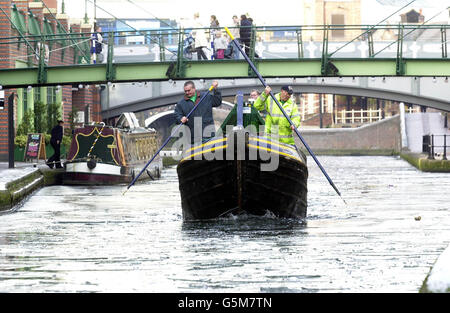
(78, 239)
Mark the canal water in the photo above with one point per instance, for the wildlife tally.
(94, 239)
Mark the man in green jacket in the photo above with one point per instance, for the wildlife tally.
(276, 122)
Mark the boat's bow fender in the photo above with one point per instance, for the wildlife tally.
(91, 164)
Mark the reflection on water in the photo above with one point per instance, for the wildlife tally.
(94, 239)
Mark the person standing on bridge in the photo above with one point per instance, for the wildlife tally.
(202, 115)
(199, 35)
(96, 46)
(276, 122)
(245, 33)
(236, 34)
(212, 35)
(220, 44)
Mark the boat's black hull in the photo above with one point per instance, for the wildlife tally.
(213, 188)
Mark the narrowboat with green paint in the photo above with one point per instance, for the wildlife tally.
(240, 171)
(106, 155)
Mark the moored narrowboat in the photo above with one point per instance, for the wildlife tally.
(105, 155)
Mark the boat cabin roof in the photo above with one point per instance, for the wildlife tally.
(128, 120)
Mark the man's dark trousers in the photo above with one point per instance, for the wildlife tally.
(56, 157)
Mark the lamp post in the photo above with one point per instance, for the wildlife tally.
(86, 20)
(11, 131)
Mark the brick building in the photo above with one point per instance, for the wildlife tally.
(326, 12)
(340, 110)
(23, 24)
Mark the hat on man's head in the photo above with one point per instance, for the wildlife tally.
(60, 121)
(288, 89)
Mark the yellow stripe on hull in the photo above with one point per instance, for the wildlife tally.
(249, 145)
(275, 151)
(202, 152)
(273, 143)
(206, 144)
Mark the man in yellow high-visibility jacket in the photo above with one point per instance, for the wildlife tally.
(276, 122)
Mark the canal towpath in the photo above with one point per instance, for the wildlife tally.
(19, 182)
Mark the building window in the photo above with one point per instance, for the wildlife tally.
(2, 99)
(412, 17)
(51, 95)
(337, 19)
(37, 94)
(25, 99)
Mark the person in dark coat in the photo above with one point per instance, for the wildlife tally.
(252, 35)
(245, 33)
(204, 111)
(55, 141)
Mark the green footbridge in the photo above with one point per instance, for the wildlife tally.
(413, 50)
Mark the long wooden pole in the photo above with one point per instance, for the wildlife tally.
(284, 113)
(168, 138)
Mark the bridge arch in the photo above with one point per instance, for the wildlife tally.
(299, 88)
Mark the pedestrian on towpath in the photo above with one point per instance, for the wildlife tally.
(55, 142)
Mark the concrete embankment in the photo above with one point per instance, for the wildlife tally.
(379, 138)
(17, 183)
(421, 162)
(438, 279)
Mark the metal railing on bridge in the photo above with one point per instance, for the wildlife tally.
(286, 41)
(332, 47)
